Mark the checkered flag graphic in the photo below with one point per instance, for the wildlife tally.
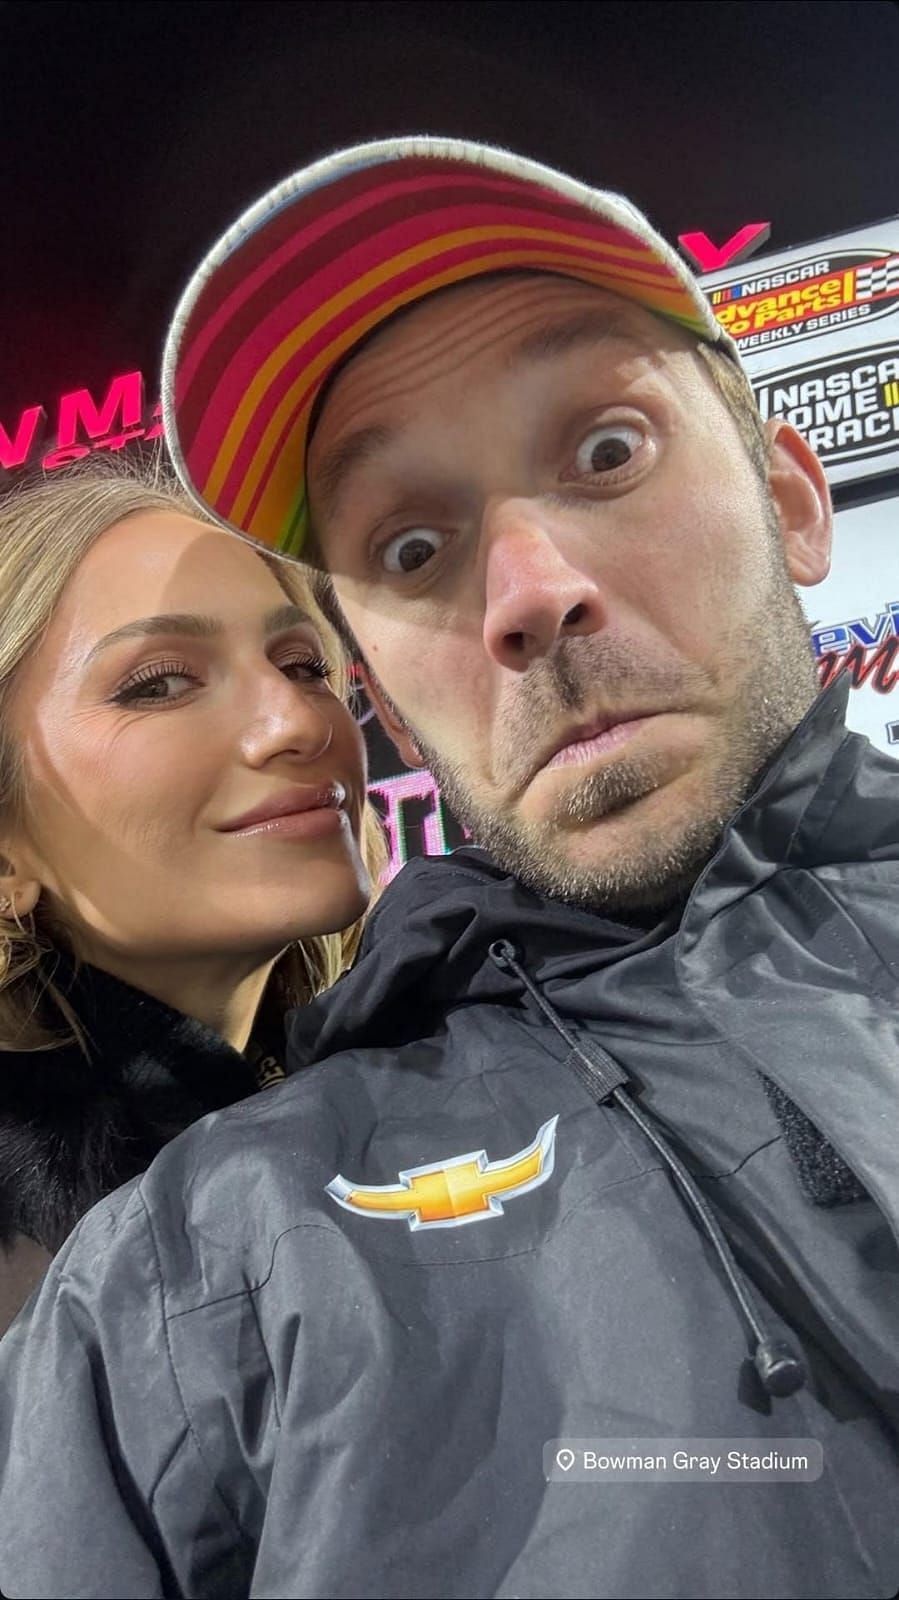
(881, 277)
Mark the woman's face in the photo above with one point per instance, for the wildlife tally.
(176, 690)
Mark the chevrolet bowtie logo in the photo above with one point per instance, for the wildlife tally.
(447, 1193)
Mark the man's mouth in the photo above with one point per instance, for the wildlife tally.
(585, 743)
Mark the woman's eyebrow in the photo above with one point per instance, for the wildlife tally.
(193, 625)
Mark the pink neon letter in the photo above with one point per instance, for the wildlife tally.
(122, 404)
(13, 452)
(395, 792)
(709, 257)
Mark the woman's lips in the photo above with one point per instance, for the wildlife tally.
(582, 751)
(317, 823)
(300, 811)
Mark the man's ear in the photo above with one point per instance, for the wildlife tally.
(391, 721)
(801, 497)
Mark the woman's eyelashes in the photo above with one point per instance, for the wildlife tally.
(149, 685)
(308, 667)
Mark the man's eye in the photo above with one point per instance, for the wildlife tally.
(605, 449)
(411, 549)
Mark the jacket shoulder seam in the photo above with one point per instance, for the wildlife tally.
(254, 1310)
(248, 1290)
(229, 1516)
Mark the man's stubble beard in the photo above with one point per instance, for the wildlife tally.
(775, 683)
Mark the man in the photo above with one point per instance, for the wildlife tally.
(595, 1171)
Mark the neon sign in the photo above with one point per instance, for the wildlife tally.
(394, 795)
(83, 424)
(710, 257)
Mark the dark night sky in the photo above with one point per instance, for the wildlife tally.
(131, 134)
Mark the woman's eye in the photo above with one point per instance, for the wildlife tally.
(153, 685)
(412, 549)
(306, 667)
(608, 448)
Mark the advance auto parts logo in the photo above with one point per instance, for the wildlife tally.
(808, 297)
(847, 406)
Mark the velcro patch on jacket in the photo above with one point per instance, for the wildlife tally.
(823, 1174)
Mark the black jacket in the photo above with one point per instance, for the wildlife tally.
(73, 1129)
(321, 1347)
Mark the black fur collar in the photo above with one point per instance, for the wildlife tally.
(73, 1129)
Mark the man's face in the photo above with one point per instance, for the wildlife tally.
(566, 578)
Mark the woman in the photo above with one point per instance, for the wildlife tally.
(186, 848)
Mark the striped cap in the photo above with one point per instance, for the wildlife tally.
(320, 260)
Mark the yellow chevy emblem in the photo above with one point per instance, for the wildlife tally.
(447, 1193)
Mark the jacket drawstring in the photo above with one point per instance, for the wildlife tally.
(779, 1367)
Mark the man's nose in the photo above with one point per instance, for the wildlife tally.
(535, 593)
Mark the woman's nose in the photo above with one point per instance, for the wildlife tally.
(287, 718)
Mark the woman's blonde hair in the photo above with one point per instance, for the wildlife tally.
(46, 528)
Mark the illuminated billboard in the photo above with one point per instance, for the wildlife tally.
(818, 330)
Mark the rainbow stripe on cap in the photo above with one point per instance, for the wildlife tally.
(331, 252)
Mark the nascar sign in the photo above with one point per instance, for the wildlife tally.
(847, 406)
(818, 330)
(808, 298)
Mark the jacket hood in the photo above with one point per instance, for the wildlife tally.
(426, 944)
(425, 950)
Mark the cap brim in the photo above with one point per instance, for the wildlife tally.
(332, 252)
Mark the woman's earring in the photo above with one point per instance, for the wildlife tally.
(8, 909)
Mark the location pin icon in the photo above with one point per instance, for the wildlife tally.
(565, 1459)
